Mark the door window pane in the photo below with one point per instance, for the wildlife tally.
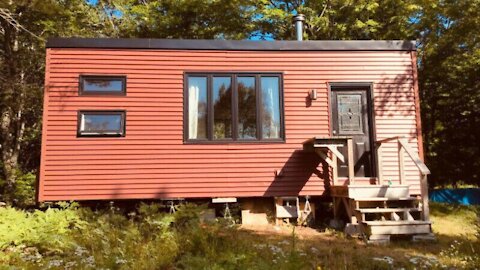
(247, 108)
(349, 113)
(197, 107)
(270, 108)
(222, 108)
(101, 123)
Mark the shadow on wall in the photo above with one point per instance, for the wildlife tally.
(296, 172)
(394, 97)
(60, 95)
(159, 191)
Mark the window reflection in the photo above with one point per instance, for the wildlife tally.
(93, 84)
(212, 105)
(222, 108)
(270, 107)
(101, 123)
(247, 108)
(197, 107)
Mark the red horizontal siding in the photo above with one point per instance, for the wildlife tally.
(153, 162)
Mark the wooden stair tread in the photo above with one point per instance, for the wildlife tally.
(395, 222)
(379, 199)
(374, 186)
(386, 210)
(397, 227)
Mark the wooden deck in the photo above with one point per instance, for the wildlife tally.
(370, 191)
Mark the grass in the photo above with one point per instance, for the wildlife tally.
(70, 237)
(455, 220)
(457, 245)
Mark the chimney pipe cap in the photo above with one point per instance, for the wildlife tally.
(299, 18)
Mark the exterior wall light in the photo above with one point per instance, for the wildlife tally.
(313, 94)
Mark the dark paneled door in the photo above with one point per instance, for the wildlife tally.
(351, 118)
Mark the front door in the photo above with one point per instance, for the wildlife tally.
(351, 118)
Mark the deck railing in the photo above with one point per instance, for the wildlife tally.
(403, 148)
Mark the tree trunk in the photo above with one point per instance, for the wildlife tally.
(12, 98)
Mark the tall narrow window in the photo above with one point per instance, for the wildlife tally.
(270, 107)
(247, 108)
(101, 123)
(197, 108)
(102, 85)
(222, 107)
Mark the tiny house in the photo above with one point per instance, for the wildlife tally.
(168, 119)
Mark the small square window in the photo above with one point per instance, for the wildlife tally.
(101, 123)
(102, 85)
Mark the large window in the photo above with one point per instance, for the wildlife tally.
(101, 123)
(102, 85)
(233, 107)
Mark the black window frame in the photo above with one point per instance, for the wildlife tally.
(121, 132)
(259, 109)
(83, 77)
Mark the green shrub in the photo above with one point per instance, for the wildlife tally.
(24, 194)
(71, 238)
(48, 230)
(114, 240)
(188, 215)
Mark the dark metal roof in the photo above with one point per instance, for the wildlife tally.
(235, 45)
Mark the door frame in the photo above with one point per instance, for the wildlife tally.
(349, 86)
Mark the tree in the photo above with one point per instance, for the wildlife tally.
(449, 73)
(340, 19)
(192, 19)
(24, 27)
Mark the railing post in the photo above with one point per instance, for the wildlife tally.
(401, 163)
(424, 191)
(334, 170)
(379, 163)
(351, 165)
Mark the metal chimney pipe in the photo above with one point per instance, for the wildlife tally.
(298, 20)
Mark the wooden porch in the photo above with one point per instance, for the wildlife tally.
(374, 207)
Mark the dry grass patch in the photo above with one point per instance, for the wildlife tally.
(457, 245)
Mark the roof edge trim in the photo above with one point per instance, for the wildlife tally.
(234, 45)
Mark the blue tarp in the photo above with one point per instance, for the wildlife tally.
(465, 196)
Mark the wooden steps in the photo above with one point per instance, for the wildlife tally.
(395, 223)
(383, 214)
(401, 227)
(390, 216)
(386, 210)
(382, 199)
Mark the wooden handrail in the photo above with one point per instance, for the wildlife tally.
(402, 148)
(416, 159)
(395, 138)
